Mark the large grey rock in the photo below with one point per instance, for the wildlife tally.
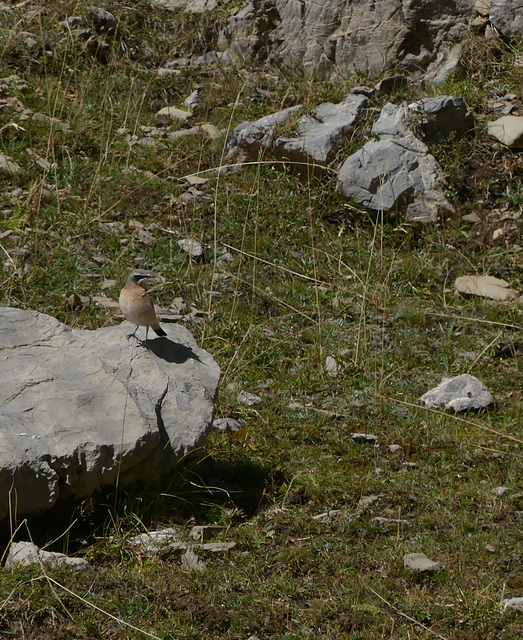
(398, 171)
(254, 137)
(448, 61)
(317, 133)
(80, 409)
(507, 16)
(434, 118)
(395, 173)
(340, 37)
(458, 394)
(442, 116)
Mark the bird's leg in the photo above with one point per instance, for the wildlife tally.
(133, 334)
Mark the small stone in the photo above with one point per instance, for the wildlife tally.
(27, 553)
(8, 166)
(190, 246)
(366, 501)
(390, 522)
(410, 465)
(143, 236)
(458, 394)
(184, 133)
(364, 437)
(490, 548)
(151, 541)
(192, 100)
(394, 447)
(212, 131)
(331, 366)
(326, 516)
(508, 130)
(420, 563)
(203, 533)
(191, 562)
(52, 122)
(108, 284)
(226, 425)
(168, 114)
(178, 305)
(513, 603)
(471, 218)
(248, 398)
(76, 301)
(499, 491)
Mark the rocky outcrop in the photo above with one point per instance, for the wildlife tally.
(81, 410)
(394, 172)
(398, 171)
(507, 16)
(316, 138)
(340, 37)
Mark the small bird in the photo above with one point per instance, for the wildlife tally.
(137, 306)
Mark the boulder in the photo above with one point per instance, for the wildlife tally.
(254, 137)
(81, 410)
(317, 133)
(398, 171)
(442, 116)
(341, 37)
(507, 16)
(395, 173)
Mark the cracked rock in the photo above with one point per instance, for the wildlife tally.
(82, 409)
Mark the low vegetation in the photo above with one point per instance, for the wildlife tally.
(310, 277)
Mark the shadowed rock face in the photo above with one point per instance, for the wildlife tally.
(80, 409)
(343, 36)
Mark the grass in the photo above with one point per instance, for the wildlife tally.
(311, 276)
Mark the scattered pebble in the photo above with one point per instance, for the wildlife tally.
(248, 398)
(499, 491)
(364, 437)
(420, 563)
(190, 246)
(326, 516)
(331, 366)
(191, 562)
(226, 425)
(389, 522)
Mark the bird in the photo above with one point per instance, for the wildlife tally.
(137, 306)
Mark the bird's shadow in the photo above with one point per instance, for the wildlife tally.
(170, 351)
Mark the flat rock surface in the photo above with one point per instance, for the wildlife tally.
(79, 409)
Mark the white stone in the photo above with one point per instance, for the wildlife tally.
(458, 394)
(26, 553)
(508, 130)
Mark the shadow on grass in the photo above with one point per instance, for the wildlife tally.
(204, 491)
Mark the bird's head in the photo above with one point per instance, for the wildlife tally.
(140, 277)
